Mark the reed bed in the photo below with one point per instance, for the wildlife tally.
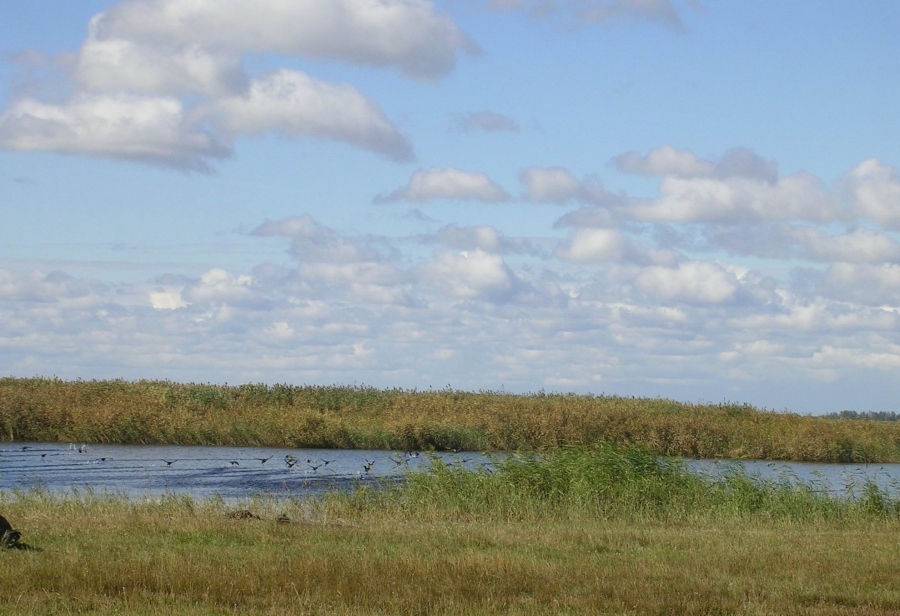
(164, 412)
(598, 529)
(609, 481)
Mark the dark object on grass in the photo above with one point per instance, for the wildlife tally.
(242, 514)
(9, 538)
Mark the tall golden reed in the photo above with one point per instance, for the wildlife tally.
(165, 412)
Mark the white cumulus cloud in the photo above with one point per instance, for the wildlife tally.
(292, 103)
(874, 192)
(406, 34)
(432, 184)
(482, 237)
(664, 160)
(609, 245)
(154, 77)
(667, 160)
(695, 282)
(220, 285)
(473, 274)
(122, 65)
(864, 283)
(167, 300)
(735, 199)
(558, 185)
(858, 246)
(149, 129)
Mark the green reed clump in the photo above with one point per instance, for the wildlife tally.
(164, 412)
(614, 481)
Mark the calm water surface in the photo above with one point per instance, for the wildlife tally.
(237, 472)
(837, 479)
(230, 472)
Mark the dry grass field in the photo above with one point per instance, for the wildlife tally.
(109, 558)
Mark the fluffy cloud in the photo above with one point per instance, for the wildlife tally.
(154, 75)
(447, 184)
(138, 128)
(786, 241)
(329, 265)
(732, 200)
(867, 284)
(292, 103)
(481, 237)
(159, 130)
(692, 283)
(114, 65)
(607, 245)
(858, 246)
(873, 190)
(472, 275)
(669, 161)
(167, 299)
(220, 286)
(558, 185)
(593, 245)
(664, 160)
(406, 34)
(740, 187)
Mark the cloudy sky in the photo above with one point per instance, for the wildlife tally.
(688, 199)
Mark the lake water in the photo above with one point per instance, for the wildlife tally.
(838, 479)
(230, 472)
(237, 472)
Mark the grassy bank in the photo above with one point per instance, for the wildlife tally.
(585, 530)
(162, 412)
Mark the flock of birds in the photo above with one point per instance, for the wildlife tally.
(290, 460)
(200, 471)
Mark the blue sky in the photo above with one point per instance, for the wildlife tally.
(684, 199)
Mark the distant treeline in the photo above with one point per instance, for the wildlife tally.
(871, 415)
(353, 417)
